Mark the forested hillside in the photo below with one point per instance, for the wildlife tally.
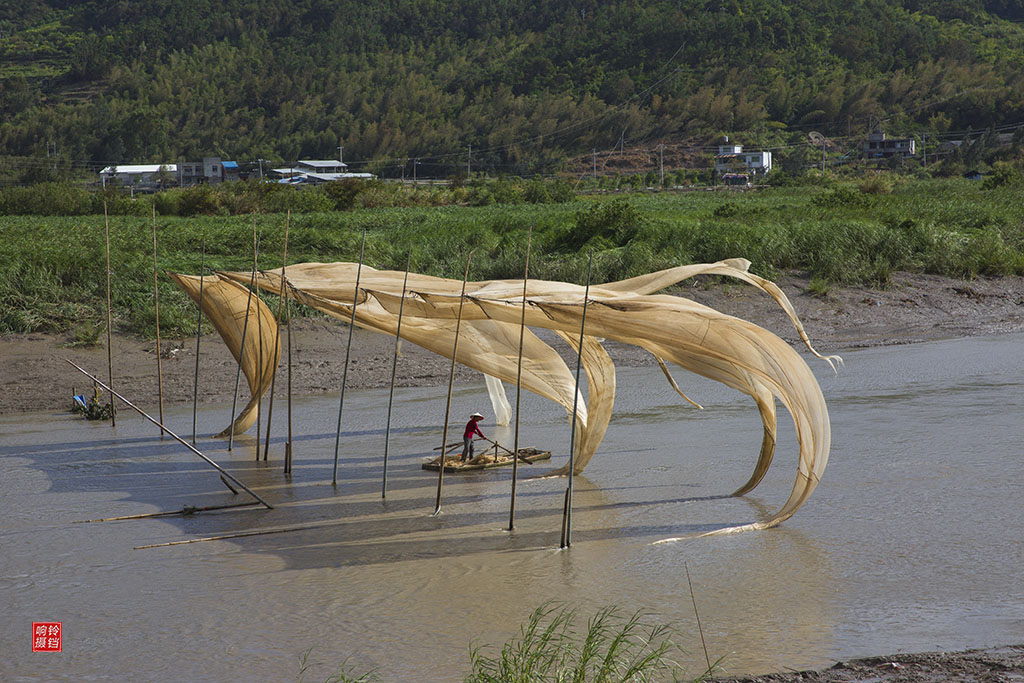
(524, 84)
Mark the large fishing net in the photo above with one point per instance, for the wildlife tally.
(674, 329)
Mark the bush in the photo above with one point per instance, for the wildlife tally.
(602, 226)
(877, 183)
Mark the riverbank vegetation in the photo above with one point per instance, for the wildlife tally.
(53, 269)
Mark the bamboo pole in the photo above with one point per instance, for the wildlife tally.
(277, 332)
(110, 355)
(519, 387)
(567, 512)
(241, 534)
(199, 328)
(245, 330)
(288, 444)
(188, 510)
(259, 370)
(177, 438)
(394, 371)
(348, 352)
(156, 311)
(451, 382)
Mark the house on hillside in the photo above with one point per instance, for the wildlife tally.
(877, 146)
(731, 160)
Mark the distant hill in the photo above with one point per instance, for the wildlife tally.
(509, 86)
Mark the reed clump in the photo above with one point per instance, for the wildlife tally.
(613, 648)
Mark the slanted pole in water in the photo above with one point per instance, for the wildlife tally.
(348, 351)
(451, 382)
(245, 330)
(110, 355)
(277, 332)
(156, 313)
(177, 438)
(394, 371)
(567, 512)
(199, 333)
(519, 388)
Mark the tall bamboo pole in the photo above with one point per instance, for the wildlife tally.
(180, 440)
(288, 445)
(277, 332)
(199, 332)
(245, 330)
(394, 372)
(259, 370)
(519, 387)
(451, 382)
(567, 513)
(348, 351)
(156, 311)
(110, 355)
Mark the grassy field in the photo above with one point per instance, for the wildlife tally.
(52, 269)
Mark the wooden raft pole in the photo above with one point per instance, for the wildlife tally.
(451, 382)
(348, 352)
(177, 438)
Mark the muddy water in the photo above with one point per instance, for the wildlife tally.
(912, 541)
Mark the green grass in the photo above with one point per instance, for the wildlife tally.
(52, 269)
(614, 648)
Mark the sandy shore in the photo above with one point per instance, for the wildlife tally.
(913, 308)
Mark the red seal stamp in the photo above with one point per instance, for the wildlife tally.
(46, 636)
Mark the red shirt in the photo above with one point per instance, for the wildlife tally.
(471, 429)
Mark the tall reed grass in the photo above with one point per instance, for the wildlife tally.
(52, 269)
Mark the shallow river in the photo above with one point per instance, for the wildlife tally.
(911, 542)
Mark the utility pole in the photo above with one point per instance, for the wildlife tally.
(823, 158)
(469, 162)
(415, 163)
(594, 152)
(661, 162)
(924, 147)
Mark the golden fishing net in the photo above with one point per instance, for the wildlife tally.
(697, 338)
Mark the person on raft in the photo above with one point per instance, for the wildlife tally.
(472, 429)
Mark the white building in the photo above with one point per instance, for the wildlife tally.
(878, 146)
(136, 174)
(316, 171)
(732, 159)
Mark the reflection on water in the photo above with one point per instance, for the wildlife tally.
(922, 491)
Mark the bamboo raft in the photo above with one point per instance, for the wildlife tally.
(486, 461)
